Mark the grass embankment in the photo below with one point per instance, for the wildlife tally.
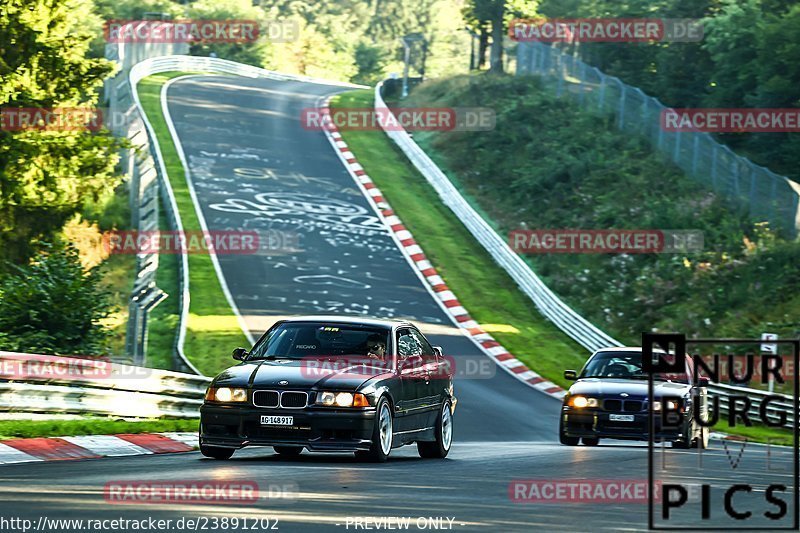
(119, 271)
(110, 212)
(212, 329)
(163, 320)
(758, 433)
(548, 164)
(16, 429)
(484, 288)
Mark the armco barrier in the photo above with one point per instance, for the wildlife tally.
(550, 305)
(767, 195)
(209, 65)
(49, 384)
(139, 166)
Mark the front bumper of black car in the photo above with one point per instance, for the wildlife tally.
(597, 423)
(318, 429)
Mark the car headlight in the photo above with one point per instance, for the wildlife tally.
(672, 405)
(226, 394)
(580, 402)
(342, 399)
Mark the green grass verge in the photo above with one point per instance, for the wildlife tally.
(163, 320)
(482, 286)
(118, 272)
(108, 213)
(212, 330)
(550, 164)
(758, 433)
(15, 429)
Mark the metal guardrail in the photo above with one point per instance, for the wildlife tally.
(785, 405)
(767, 195)
(186, 63)
(551, 306)
(142, 173)
(47, 384)
(548, 303)
(215, 65)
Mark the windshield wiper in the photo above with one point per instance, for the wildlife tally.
(269, 357)
(644, 376)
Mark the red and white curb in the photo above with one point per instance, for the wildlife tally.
(94, 446)
(436, 285)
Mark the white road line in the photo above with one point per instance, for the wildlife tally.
(197, 209)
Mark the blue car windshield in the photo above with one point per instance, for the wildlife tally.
(624, 365)
(300, 340)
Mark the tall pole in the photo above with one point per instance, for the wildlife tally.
(472, 38)
(406, 59)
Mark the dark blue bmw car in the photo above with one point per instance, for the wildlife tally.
(610, 400)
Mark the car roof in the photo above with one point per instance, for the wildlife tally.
(359, 320)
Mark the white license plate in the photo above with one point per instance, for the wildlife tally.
(276, 420)
(621, 418)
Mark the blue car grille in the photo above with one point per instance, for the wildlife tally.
(625, 406)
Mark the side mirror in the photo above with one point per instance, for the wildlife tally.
(703, 382)
(239, 354)
(570, 375)
(438, 351)
(412, 361)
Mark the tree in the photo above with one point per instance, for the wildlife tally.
(729, 40)
(492, 17)
(53, 306)
(48, 176)
(489, 14)
(257, 53)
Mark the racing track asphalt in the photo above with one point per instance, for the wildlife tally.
(255, 167)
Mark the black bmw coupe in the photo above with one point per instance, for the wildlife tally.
(610, 399)
(332, 384)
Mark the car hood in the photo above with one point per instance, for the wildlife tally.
(298, 374)
(607, 387)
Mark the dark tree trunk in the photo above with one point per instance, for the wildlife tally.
(498, 32)
(483, 46)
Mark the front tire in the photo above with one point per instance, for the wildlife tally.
(439, 448)
(382, 432)
(688, 439)
(564, 439)
(590, 441)
(216, 453)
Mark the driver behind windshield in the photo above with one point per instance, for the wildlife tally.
(625, 366)
(376, 348)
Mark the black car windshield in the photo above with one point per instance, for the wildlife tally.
(623, 365)
(301, 340)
